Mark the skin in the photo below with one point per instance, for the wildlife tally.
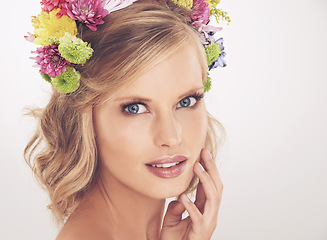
(128, 200)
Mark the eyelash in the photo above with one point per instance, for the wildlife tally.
(196, 96)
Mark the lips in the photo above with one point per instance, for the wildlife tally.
(168, 167)
(167, 159)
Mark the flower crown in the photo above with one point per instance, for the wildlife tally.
(62, 49)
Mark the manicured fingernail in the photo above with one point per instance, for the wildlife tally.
(202, 168)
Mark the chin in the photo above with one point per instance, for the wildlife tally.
(172, 187)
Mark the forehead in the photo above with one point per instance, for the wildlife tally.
(175, 75)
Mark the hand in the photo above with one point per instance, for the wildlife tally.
(203, 213)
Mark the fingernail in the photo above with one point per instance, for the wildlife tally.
(202, 168)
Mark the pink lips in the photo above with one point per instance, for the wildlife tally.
(168, 172)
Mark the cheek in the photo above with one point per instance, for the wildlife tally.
(119, 138)
(195, 125)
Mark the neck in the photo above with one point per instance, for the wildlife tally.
(127, 213)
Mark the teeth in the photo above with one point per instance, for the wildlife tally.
(165, 165)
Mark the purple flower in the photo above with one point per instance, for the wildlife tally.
(89, 12)
(220, 62)
(200, 11)
(51, 62)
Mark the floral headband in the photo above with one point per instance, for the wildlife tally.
(62, 49)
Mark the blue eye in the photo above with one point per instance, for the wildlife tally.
(135, 108)
(187, 102)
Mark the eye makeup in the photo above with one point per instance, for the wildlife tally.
(127, 104)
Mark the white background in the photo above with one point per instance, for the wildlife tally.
(271, 99)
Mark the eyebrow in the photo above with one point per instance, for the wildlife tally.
(141, 99)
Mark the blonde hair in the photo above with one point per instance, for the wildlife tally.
(63, 152)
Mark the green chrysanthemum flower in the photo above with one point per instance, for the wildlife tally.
(184, 3)
(51, 41)
(207, 84)
(68, 81)
(46, 77)
(74, 49)
(213, 51)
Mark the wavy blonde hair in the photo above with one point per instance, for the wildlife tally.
(63, 153)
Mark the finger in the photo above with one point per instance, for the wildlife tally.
(206, 181)
(173, 214)
(210, 166)
(192, 210)
(200, 198)
(212, 197)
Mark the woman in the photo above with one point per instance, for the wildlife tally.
(132, 132)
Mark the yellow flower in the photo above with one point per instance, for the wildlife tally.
(49, 28)
(184, 3)
(216, 12)
(212, 3)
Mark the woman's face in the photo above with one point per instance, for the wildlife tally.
(157, 121)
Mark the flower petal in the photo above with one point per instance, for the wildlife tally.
(115, 5)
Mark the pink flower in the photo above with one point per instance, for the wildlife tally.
(204, 29)
(49, 5)
(200, 11)
(62, 12)
(89, 12)
(51, 62)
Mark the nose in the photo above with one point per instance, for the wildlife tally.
(167, 131)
